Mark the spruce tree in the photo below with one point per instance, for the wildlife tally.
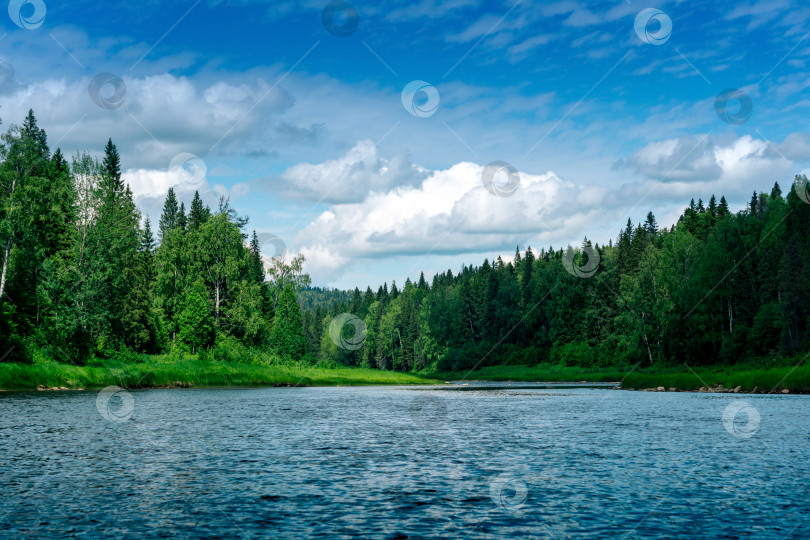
(181, 217)
(722, 209)
(256, 265)
(198, 213)
(168, 218)
(111, 167)
(287, 337)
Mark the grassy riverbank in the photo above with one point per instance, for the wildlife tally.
(747, 378)
(168, 371)
(165, 371)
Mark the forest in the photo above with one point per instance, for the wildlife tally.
(85, 277)
(717, 288)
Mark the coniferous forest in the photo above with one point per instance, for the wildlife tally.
(84, 277)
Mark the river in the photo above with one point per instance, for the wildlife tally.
(494, 461)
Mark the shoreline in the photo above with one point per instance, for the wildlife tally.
(189, 386)
(163, 372)
(742, 379)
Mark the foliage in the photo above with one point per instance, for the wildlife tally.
(196, 326)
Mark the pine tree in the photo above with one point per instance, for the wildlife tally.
(422, 283)
(112, 169)
(171, 267)
(147, 239)
(287, 337)
(26, 159)
(526, 277)
(722, 210)
(138, 318)
(776, 192)
(368, 298)
(256, 265)
(199, 213)
(181, 217)
(113, 240)
(651, 226)
(168, 218)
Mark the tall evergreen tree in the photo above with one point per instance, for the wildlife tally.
(198, 213)
(168, 218)
(288, 332)
(256, 264)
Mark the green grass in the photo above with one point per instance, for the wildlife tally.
(165, 371)
(747, 378)
(681, 378)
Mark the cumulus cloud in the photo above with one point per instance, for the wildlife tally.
(696, 160)
(674, 160)
(349, 178)
(161, 116)
(450, 212)
(154, 183)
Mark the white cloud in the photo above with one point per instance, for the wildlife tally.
(672, 160)
(451, 213)
(161, 116)
(350, 178)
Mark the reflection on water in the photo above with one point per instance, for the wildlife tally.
(491, 462)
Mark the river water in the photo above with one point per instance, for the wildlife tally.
(493, 461)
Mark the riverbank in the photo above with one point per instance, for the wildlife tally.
(167, 372)
(741, 378)
(170, 372)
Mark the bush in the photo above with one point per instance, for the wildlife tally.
(328, 364)
(230, 349)
(576, 353)
(128, 356)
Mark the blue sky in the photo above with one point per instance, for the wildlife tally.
(306, 130)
